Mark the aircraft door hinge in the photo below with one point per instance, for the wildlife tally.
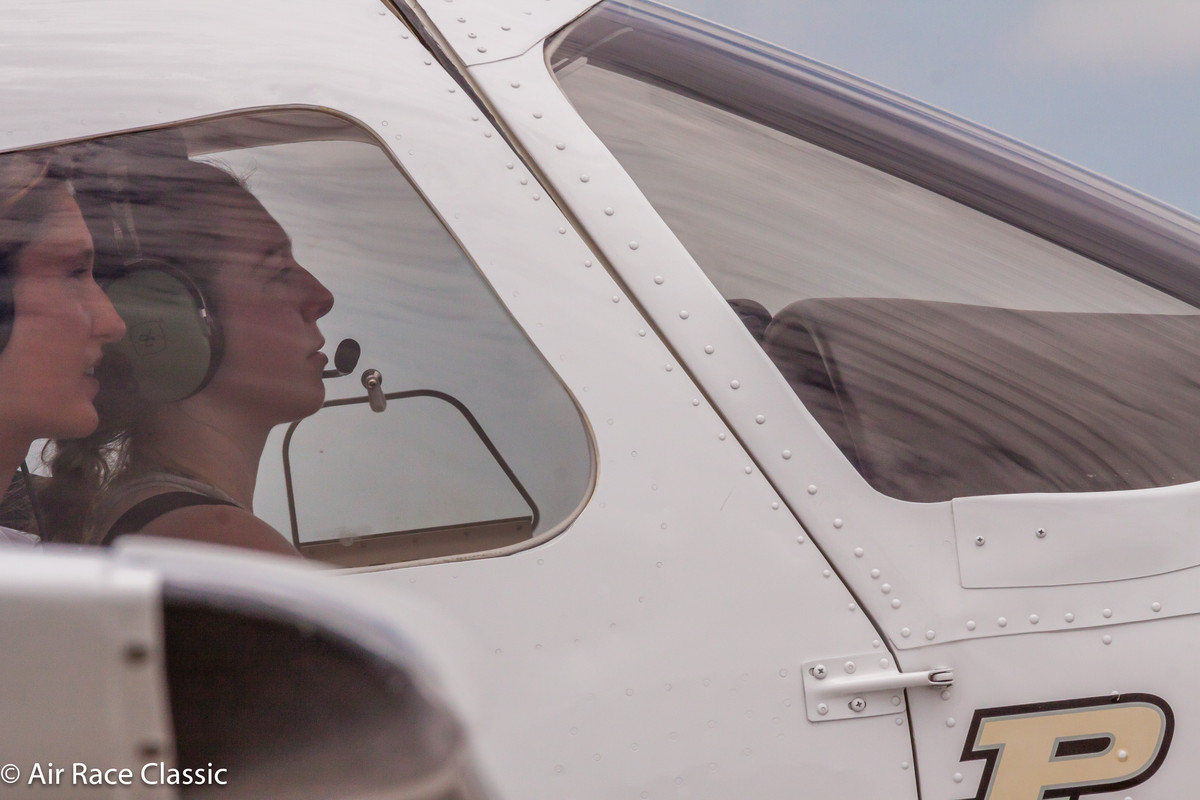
(865, 685)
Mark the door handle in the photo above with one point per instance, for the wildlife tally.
(863, 686)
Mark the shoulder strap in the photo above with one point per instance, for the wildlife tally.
(142, 514)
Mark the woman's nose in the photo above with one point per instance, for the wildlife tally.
(107, 325)
(318, 300)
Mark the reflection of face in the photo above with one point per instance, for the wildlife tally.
(268, 310)
(62, 319)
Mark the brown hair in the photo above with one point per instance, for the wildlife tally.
(178, 212)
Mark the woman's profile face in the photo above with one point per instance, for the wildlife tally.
(268, 311)
(62, 319)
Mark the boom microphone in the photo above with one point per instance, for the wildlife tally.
(345, 359)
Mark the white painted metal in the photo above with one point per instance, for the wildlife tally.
(657, 646)
(861, 530)
(83, 675)
(482, 32)
(654, 647)
(1037, 539)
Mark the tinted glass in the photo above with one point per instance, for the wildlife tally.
(239, 252)
(945, 352)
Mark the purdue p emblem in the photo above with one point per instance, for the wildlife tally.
(1069, 748)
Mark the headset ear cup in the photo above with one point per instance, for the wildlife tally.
(8, 310)
(168, 348)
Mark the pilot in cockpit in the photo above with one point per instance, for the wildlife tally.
(222, 346)
(54, 319)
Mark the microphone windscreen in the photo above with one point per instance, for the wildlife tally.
(345, 358)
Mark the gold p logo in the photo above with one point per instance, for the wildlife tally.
(1069, 748)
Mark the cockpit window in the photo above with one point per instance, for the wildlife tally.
(311, 363)
(945, 352)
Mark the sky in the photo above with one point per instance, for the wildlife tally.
(1110, 85)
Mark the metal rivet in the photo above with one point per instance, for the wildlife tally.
(958, 777)
(896, 700)
(812, 488)
(515, 84)
(980, 541)
(695, 401)
(951, 722)
(884, 663)
(633, 245)
(1122, 755)
(536, 197)
(471, 36)
(896, 603)
(903, 764)
(822, 709)
(709, 349)
(946, 694)
(857, 704)
(1002, 622)
(874, 573)
(616, 298)
(930, 635)
(684, 314)
(970, 624)
(858, 552)
(537, 115)
(608, 212)
(658, 280)
(899, 720)
(1069, 617)
(561, 229)
(826, 573)
(1106, 639)
(886, 588)
(669, 367)
(1033, 619)
(760, 419)
(786, 454)
(560, 146)
(1107, 613)
(641, 331)
(1156, 607)
(799, 540)
(721, 436)
(481, 49)
(749, 469)
(505, 28)
(584, 178)
(849, 667)
(837, 523)
(905, 632)
(735, 384)
(523, 181)
(852, 607)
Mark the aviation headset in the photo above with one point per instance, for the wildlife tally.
(173, 344)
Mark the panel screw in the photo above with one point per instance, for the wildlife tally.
(822, 709)
(858, 704)
(819, 672)
(1041, 533)
(979, 540)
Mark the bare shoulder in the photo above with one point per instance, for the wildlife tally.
(227, 525)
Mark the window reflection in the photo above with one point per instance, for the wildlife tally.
(945, 352)
(239, 251)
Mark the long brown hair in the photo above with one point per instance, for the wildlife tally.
(178, 208)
